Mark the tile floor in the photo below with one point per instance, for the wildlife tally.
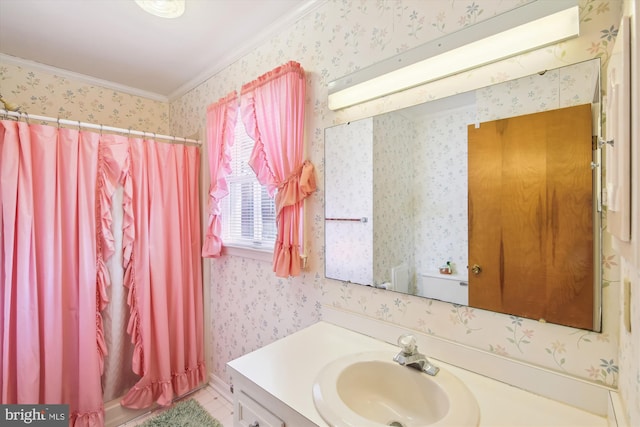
(219, 408)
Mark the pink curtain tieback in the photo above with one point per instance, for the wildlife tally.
(297, 186)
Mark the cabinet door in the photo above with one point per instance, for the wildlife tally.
(249, 413)
(530, 216)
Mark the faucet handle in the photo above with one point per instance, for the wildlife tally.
(407, 343)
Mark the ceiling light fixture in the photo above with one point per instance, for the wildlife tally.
(163, 8)
(528, 27)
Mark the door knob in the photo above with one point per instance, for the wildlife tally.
(476, 269)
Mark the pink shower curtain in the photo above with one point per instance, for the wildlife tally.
(49, 326)
(221, 120)
(273, 114)
(55, 202)
(161, 246)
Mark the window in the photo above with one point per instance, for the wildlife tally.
(248, 213)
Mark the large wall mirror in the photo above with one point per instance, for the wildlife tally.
(488, 198)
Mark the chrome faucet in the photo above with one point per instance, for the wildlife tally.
(410, 357)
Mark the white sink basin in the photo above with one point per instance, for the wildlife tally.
(371, 390)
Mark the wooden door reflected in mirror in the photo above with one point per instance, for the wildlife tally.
(530, 219)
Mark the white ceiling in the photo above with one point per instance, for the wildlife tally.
(116, 41)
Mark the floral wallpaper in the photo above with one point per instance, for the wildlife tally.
(441, 207)
(393, 199)
(349, 175)
(565, 87)
(55, 95)
(250, 307)
(369, 175)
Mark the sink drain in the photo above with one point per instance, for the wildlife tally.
(395, 424)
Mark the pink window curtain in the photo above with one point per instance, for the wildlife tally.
(273, 114)
(221, 119)
(49, 329)
(161, 245)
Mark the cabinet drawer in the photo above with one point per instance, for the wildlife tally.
(249, 413)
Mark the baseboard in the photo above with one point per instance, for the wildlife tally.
(221, 387)
(560, 387)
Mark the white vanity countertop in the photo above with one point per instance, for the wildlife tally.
(287, 370)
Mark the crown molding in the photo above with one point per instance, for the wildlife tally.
(244, 49)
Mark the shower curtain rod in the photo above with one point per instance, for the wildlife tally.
(101, 128)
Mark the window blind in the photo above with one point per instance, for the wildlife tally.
(248, 213)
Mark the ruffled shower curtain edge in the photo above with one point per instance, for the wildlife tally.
(164, 388)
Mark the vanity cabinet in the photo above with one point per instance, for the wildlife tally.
(254, 407)
(249, 413)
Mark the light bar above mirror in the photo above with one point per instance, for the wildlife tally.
(525, 28)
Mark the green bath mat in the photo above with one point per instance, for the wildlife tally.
(188, 413)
